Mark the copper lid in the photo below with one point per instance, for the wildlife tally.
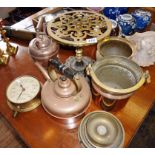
(63, 87)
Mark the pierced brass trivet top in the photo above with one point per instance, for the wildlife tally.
(79, 28)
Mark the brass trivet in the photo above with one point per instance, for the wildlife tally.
(79, 28)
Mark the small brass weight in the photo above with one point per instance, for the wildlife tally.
(10, 50)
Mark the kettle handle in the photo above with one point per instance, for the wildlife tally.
(66, 71)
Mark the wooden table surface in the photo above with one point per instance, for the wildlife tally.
(39, 129)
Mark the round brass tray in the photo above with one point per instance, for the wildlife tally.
(79, 28)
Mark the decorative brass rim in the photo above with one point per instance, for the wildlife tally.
(79, 28)
(130, 44)
(118, 91)
(114, 90)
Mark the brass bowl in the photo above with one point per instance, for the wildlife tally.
(115, 46)
(116, 77)
(100, 129)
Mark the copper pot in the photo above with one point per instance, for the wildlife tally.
(116, 77)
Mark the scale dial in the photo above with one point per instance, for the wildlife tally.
(23, 89)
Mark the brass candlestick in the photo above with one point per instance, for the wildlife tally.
(10, 49)
(4, 58)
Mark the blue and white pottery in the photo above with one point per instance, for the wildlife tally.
(115, 28)
(142, 18)
(113, 12)
(127, 24)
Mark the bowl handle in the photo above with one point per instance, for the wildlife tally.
(147, 77)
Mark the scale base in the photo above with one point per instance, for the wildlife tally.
(79, 66)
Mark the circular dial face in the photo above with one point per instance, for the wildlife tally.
(23, 89)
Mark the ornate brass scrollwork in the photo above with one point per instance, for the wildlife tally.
(77, 27)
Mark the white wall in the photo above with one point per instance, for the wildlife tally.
(4, 11)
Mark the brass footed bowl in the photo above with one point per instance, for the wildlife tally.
(115, 46)
(116, 77)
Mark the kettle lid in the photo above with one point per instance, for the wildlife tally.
(63, 87)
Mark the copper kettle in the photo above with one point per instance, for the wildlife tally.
(42, 48)
(65, 97)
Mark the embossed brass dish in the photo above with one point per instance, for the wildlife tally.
(100, 129)
(118, 46)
